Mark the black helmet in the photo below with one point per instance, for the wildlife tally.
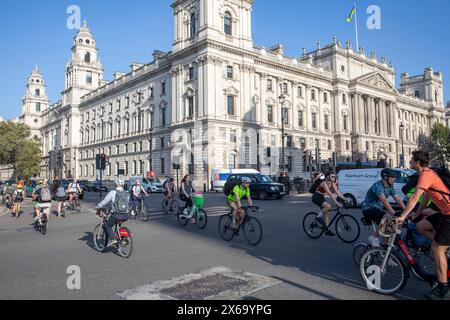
(387, 173)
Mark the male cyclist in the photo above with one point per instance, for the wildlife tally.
(327, 187)
(17, 199)
(61, 196)
(115, 199)
(433, 188)
(73, 190)
(137, 195)
(238, 193)
(43, 196)
(169, 190)
(376, 202)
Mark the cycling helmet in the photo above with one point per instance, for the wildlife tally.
(387, 173)
(245, 180)
(20, 185)
(120, 182)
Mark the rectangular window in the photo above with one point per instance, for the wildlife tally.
(163, 167)
(38, 107)
(314, 120)
(191, 73)
(230, 105)
(270, 114)
(345, 123)
(313, 95)
(151, 92)
(163, 117)
(299, 92)
(344, 98)
(88, 77)
(326, 122)
(329, 145)
(269, 85)
(289, 164)
(300, 118)
(126, 167)
(229, 72)
(163, 88)
(325, 97)
(233, 136)
(134, 167)
(284, 88)
(191, 107)
(347, 145)
(289, 142)
(162, 142)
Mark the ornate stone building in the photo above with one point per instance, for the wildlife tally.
(214, 102)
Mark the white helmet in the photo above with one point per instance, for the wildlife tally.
(120, 182)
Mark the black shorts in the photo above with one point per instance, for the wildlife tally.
(374, 214)
(441, 224)
(318, 199)
(18, 200)
(62, 199)
(166, 193)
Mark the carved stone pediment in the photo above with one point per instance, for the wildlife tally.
(378, 81)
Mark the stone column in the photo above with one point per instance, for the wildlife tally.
(262, 104)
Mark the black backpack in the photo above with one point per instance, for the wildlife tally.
(444, 174)
(122, 202)
(228, 189)
(315, 185)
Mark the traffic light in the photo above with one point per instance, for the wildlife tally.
(103, 161)
(97, 162)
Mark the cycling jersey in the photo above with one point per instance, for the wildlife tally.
(241, 191)
(73, 187)
(372, 201)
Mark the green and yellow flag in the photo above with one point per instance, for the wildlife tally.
(352, 13)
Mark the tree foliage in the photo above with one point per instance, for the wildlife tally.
(438, 144)
(28, 159)
(12, 136)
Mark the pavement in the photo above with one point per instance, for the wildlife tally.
(34, 266)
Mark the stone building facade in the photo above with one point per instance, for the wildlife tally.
(216, 100)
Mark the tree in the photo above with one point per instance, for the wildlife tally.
(438, 144)
(28, 159)
(13, 135)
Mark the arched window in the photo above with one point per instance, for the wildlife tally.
(38, 92)
(87, 57)
(193, 24)
(228, 27)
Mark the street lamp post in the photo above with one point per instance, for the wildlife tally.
(282, 99)
(402, 157)
(151, 141)
(352, 134)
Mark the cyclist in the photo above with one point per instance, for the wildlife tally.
(43, 196)
(7, 194)
(61, 196)
(137, 195)
(186, 191)
(376, 202)
(433, 188)
(17, 199)
(169, 190)
(115, 199)
(73, 190)
(238, 193)
(327, 187)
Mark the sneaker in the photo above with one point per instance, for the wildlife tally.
(329, 233)
(435, 294)
(374, 241)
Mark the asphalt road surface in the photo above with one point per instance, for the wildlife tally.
(34, 266)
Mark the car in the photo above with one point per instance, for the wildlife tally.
(262, 187)
(85, 185)
(151, 185)
(96, 187)
(29, 187)
(354, 184)
(220, 176)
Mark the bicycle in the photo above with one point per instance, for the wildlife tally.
(40, 225)
(422, 254)
(124, 246)
(200, 217)
(172, 207)
(74, 203)
(379, 266)
(345, 225)
(17, 210)
(252, 227)
(138, 211)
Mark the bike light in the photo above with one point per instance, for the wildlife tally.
(124, 233)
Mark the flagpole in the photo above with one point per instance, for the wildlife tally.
(356, 28)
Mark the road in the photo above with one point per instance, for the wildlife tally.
(295, 267)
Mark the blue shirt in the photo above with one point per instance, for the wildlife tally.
(371, 201)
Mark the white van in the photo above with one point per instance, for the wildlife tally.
(220, 176)
(151, 185)
(354, 184)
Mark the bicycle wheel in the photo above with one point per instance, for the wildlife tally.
(425, 262)
(182, 219)
(44, 226)
(312, 227)
(201, 218)
(165, 206)
(388, 282)
(77, 206)
(175, 207)
(125, 245)
(225, 229)
(358, 251)
(99, 238)
(253, 231)
(347, 228)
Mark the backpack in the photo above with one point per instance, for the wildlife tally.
(228, 190)
(122, 202)
(61, 192)
(315, 185)
(19, 195)
(45, 195)
(444, 174)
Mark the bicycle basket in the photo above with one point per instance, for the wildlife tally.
(199, 200)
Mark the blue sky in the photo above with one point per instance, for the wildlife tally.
(414, 35)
